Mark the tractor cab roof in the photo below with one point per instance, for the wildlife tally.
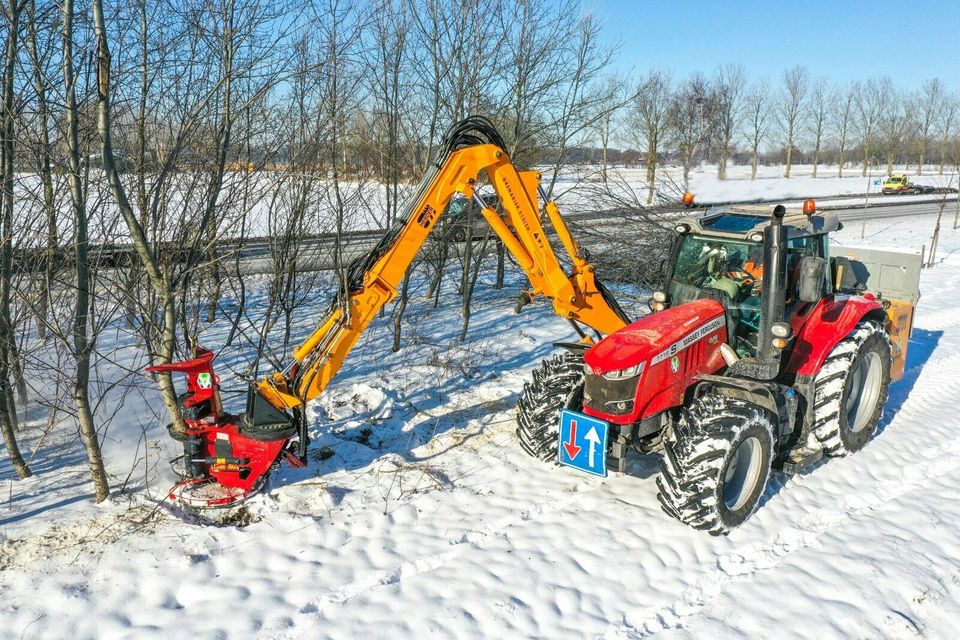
(745, 222)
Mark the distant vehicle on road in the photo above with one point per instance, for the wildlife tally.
(901, 185)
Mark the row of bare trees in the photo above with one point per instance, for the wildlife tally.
(724, 117)
(172, 127)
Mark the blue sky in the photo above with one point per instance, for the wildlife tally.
(843, 40)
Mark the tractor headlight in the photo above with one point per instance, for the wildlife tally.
(683, 227)
(780, 329)
(659, 296)
(623, 374)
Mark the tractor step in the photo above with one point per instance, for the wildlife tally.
(799, 459)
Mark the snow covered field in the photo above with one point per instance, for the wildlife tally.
(421, 517)
(577, 184)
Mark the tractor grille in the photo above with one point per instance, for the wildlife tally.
(610, 396)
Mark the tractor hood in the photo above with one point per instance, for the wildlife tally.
(657, 335)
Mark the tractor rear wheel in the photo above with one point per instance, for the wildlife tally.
(716, 463)
(851, 390)
(555, 386)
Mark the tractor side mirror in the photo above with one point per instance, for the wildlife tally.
(811, 279)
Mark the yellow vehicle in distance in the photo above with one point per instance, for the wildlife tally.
(901, 185)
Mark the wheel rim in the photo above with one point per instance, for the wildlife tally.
(865, 383)
(743, 473)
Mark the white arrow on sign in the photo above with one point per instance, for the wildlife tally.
(594, 439)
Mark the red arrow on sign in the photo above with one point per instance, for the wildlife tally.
(571, 447)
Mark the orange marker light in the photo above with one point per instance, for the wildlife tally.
(809, 207)
(687, 199)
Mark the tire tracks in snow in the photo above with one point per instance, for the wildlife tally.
(935, 462)
(744, 565)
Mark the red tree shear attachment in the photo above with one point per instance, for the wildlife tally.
(225, 457)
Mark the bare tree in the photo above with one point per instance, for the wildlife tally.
(820, 107)
(582, 98)
(691, 108)
(145, 253)
(729, 86)
(614, 93)
(39, 60)
(8, 410)
(895, 120)
(649, 121)
(945, 124)
(791, 109)
(870, 99)
(930, 103)
(386, 62)
(431, 67)
(757, 118)
(841, 110)
(555, 91)
(82, 342)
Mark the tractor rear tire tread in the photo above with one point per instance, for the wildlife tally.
(829, 419)
(695, 458)
(556, 385)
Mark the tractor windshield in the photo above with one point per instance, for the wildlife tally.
(729, 271)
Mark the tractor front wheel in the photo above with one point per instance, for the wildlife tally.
(716, 463)
(556, 385)
(851, 390)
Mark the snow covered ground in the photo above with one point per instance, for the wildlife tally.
(578, 184)
(421, 517)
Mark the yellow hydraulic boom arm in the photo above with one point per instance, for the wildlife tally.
(372, 282)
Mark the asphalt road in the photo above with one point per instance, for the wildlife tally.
(883, 209)
(316, 253)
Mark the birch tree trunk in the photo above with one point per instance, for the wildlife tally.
(8, 410)
(82, 343)
(166, 345)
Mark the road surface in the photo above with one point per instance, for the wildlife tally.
(316, 252)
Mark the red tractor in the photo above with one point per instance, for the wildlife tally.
(761, 353)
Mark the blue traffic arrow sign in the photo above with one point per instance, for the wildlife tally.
(583, 442)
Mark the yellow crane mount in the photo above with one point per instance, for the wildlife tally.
(227, 457)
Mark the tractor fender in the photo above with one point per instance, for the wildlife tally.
(779, 400)
(830, 321)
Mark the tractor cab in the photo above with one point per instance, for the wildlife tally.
(720, 256)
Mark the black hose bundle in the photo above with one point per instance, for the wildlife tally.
(470, 131)
(611, 301)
